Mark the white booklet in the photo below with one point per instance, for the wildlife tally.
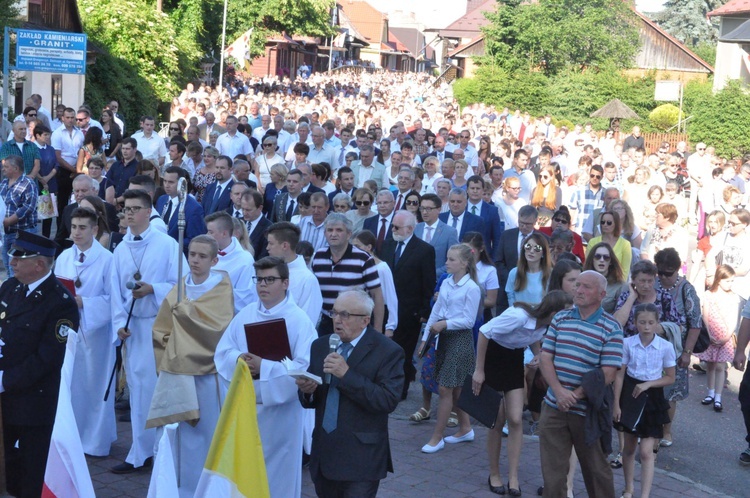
(300, 374)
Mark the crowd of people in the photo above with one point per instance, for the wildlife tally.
(378, 221)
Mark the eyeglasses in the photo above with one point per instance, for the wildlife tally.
(412, 203)
(362, 203)
(609, 223)
(666, 273)
(267, 145)
(544, 177)
(344, 314)
(603, 257)
(132, 209)
(266, 280)
(598, 177)
(532, 247)
(561, 221)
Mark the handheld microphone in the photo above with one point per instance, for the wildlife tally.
(333, 345)
(132, 285)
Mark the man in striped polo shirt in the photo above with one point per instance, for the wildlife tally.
(578, 341)
(343, 267)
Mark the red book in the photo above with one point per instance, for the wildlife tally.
(68, 284)
(269, 340)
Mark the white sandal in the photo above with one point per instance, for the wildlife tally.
(420, 415)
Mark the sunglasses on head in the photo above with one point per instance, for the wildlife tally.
(532, 247)
(666, 273)
(362, 203)
(603, 257)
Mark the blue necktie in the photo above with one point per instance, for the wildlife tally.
(397, 256)
(331, 415)
(215, 202)
(455, 222)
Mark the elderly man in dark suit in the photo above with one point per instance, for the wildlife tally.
(350, 447)
(506, 254)
(83, 185)
(412, 262)
(458, 218)
(36, 315)
(256, 223)
(382, 224)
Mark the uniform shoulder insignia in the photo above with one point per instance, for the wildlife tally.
(63, 329)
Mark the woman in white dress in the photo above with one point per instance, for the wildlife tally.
(262, 163)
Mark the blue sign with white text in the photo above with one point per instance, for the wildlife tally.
(50, 51)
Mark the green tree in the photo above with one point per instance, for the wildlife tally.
(556, 35)
(687, 21)
(8, 17)
(722, 121)
(707, 51)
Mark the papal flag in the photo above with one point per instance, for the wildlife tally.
(235, 467)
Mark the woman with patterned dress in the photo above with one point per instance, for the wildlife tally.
(721, 308)
(207, 174)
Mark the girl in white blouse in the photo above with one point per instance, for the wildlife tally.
(452, 319)
(648, 364)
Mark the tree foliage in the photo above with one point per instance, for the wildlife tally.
(664, 117)
(722, 121)
(687, 20)
(146, 39)
(8, 17)
(552, 36)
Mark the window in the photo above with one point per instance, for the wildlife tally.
(56, 90)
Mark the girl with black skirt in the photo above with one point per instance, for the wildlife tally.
(648, 364)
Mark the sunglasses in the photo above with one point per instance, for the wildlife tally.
(31, 115)
(362, 203)
(609, 223)
(544, 177)
(412, 203)
(174, 129)
(532, 247)
(80, 119)
(561, 221)
(267, 145)
(603, 257)
(598, 177)
(665, 273)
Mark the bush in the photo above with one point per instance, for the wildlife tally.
(722, 121)
(665, 116)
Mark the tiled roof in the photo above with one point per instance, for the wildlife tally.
(469, 25)
(367, 19)
(732, 7)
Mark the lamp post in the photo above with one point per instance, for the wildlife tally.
(223, 42)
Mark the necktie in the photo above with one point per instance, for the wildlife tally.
(428, 234)
(398, 201)
(222, 253)
(341, 156)
(238, 214)
(455, 222)
(397, 256)
(167, 212)
(331, 415)
(249, 225)
(290, 210)
(473, 210)
(381, 234)
(215, 202)
(441, 156)
(81, 258)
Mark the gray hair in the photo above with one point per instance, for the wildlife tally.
(528, 212)
(290, 126)
(408, 217)
(362, 297)
(367, 148)
(338, 219)
(384, 192)
(406, 167)
(459, 191)
(443, 180)
(303, 125)
(88, 180)
(342, 197)
(600, 279)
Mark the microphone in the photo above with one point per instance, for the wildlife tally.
(333, 345)
(132, 285)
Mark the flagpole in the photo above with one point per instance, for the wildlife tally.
(223, 41)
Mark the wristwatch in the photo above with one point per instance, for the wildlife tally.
(688, 351)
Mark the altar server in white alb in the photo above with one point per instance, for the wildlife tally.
(145, 269)
(280, 414)
(87, 267)
(233, 259)
(283, 238)
(185, 337)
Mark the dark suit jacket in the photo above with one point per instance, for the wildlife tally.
(448, 155)
(358, 450)
(373, 224)
(194, 221)
(63, 232)
(33, 329)
(413, 276)
(471, 223)
(225, 200)
(312, 189)
(492, 226)
(258, 237)
(278, 213)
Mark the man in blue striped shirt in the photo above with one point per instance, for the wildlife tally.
(578, 341)
(19, 193)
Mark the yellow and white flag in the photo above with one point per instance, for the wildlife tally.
(235, 467)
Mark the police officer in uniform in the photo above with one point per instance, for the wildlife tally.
(36, 315)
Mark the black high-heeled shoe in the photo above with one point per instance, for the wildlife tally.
(498, 490)
(514, 491)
